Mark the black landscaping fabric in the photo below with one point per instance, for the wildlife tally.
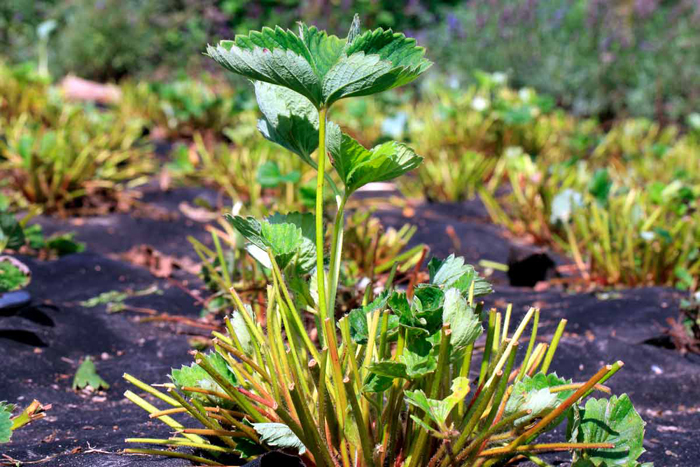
(42, 344)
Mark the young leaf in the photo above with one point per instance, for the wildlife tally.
(285, 234)
(418, 363)
(87, 376)
(5, 423)
(453, 272)
(464, 323)
(358, 166)
(439, 410)
(533, 393)
(322, 67)
(279, 435)
(608, 421)
(195, 376)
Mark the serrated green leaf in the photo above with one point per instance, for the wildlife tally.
(464, 322)
(270, 176)
(279, 435)
(274, 56)
(375, 61)
(453, 272)
(439, 410)
(291, 121)
(533, 393)
(322, 67)
(358, 166)
(418, 363)
(612, 421)
(5, 423)
(87, 376)
(286, 235)
(195, 376)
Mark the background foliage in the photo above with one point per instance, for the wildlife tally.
(601, 58)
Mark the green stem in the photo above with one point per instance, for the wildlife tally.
(336, 253)
(320, 271)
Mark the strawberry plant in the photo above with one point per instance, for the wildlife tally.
(409, 378)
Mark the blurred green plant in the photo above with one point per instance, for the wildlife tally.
(86, 156)
(606, 59)
(181, 108)
(623, 216)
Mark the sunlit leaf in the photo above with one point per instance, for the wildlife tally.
(464, 322)
(321, 67)
(533, 393)
(439, 410)
(279, 435)
(612, 421)
(5, 423)
(453, 272)
(358, 166)
(195, 376)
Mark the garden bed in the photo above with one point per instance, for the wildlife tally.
(44, 344)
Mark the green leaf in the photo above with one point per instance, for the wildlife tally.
(377, 383)
(285, 234)
(357, 318)
(87, 376)
(270, 176)
(279, 435)
(373, 62)
(464, 322)
(608, 421)
(600, 185)
(532, 393)
(453, 272)
(195, 376)
(322, 67)
(14, 275)
(291, 121)
(241, 329)
(439, 410)
(5, 423)
(11, 233)
(34, 236)
(358, 166)
(418, 363)
(389, 369)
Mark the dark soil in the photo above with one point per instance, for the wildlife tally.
(43, 344)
